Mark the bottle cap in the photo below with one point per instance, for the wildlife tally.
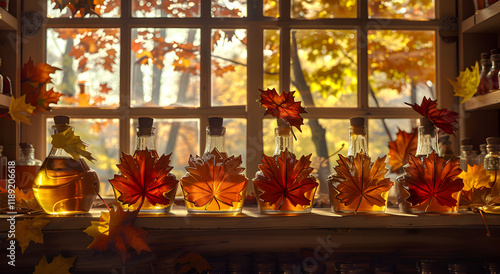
(215, 125)
(485, 55)
(61, 120)
(145, 126)
(466, 142)
(357, 121)
(493, 140)
(495, 51)
(284, 128)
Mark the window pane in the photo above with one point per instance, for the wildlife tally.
(232, 8)
(402, 9)
(316, 9)
(108, 8)
(271, 58)
(271, 8)
(89, 60)
(165, 67)
(382, 131)
(402, 67)
(102, 136)
(177, 136)
(153, 8)
(324, 67)
(229, 70)
(236, 138)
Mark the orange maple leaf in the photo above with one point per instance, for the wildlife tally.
(116, 231)
(38, 74)
(477, 186)
(105, 89)
(144, 177)
(400, 149)
(214, 180)
(282, 106)
(285, 179)
(432, 178)
(360, 182)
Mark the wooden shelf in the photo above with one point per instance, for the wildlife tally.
(486, 20)
(320, 218)
(5, 101)
(487, 101)
(7, 20)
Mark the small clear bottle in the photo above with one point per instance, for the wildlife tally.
(467, 156)
(65, 185)
(427, 143)
(5, 83)
(492, 162)
(3, 169)
(357, 137)
(495, 70)
(26, 166)
(484, 86)
(481, 155)
(283, 143)
(146, 141)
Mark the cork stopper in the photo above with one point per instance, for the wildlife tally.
(427, 125)
(145, 126)
(215, 126)
(25, 145)
(61, 120)
(358, 125)
(284, 128)
(485, 55)
(466, 142)
(495, 51)
(493, 144)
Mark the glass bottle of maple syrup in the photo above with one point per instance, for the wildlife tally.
(357, 144)
(484, 86)
(283, 139)
(226, 196)
(492, 162)
(495, 70)
(64, 185)
(146, 141)
(427, 143)
(467, 156)
(27, 166)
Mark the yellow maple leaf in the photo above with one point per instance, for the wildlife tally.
(475, 177)
(26, 200)
(72, 144)
(467, 82)
(30, 229)
(59, 265)
(19, 110)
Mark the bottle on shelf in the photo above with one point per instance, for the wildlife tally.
(427, 144)
(495, 70)
(492, 162)
(27, 166)
(283, 147)
(3, 170)
(146, 140)
(214, 182)
(4, 4)
(484, 86)
(5, 83)
(65, 185)
(467, 156)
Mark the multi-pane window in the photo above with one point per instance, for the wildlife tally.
(183, 61)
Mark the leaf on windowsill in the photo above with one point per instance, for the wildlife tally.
(285, 179)
(30, 229)
(361, 181)
(466, 84)
(282, 106)
(400, 149)
(144, 177)
(441, 118)
(58, 265)
(478, 191)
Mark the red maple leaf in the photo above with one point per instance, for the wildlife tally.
(144, 177)
(442, 118)
(400, 149)
(282, 106)
(285, 179)
(39, 74)
(105, 89)
(432, 178)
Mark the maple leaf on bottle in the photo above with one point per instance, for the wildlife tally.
(115, 231)
(432, 179)
(282, 106)
(285, 179)
(214, 178)
(144, 177)
(400, 149)
(72, 144)
(30, 229)
(58, 265)
(360, 182)
(441, 118)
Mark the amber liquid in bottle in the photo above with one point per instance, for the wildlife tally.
(65, 186)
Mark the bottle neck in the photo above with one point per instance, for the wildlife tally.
(27, 153)
(283, 140)
(59, 152)
(357, 141)
(485, 64)
(427, 141)
(216, 141)
(146, 139)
